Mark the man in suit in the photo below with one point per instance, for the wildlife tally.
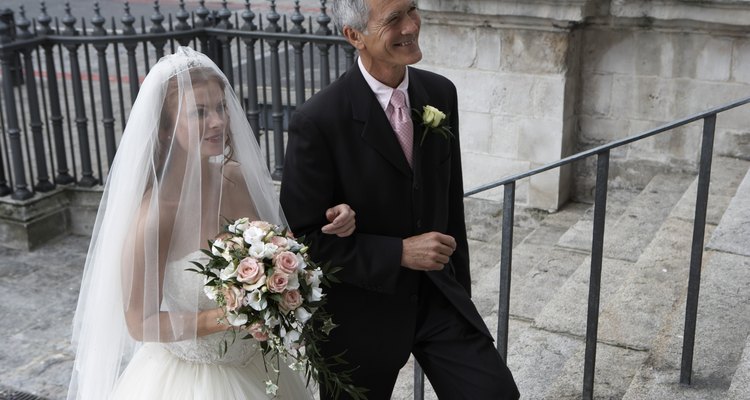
(406, 283)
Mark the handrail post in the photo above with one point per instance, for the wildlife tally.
(418, 381)
(696, 252)
(506, 258)
(597, 251)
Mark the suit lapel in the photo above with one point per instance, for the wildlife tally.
(418, 98)
(376, 130)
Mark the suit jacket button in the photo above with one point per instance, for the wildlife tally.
(419, 223)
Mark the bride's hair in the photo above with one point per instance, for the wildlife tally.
(167, 118)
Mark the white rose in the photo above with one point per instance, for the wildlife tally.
(315, 294)
(291, 338)
(313, 277)
(271, 321)
(301, 263)
(253, 234)
(269, 250)
(255, 300)
(218, 247)
(302, 315)
(239, 226)
(237, 319)
(210, 292)
(257, 250)
(230, 271)
(293, 282)
(432, 117)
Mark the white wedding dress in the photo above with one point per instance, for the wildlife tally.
(195, 369)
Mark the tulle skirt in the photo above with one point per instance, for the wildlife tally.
(155, 373)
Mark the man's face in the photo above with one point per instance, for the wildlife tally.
(392, 35)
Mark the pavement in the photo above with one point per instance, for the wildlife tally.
(38, 295)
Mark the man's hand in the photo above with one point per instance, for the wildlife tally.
(341, 218)
(428, 251)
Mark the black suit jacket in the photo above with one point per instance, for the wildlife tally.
(342, 149)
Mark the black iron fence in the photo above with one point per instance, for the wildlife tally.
(68, 84)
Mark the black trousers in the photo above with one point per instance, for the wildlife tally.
(460, 361)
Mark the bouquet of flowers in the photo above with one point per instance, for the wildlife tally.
(264, 280)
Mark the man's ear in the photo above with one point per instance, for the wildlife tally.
(354, 37)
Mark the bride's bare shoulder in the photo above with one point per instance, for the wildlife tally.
(232, 172)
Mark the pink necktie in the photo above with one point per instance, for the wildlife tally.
(400, 120)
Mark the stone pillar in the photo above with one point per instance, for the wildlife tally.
(540, 80)
(516, 68)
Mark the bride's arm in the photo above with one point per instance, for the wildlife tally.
(143, 266)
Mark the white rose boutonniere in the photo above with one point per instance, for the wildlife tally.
(433, 120)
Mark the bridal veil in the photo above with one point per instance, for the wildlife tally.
(188, 161)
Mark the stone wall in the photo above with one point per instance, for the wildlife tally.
(540, 80)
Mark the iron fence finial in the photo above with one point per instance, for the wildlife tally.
(44, 20)
(156, 19)
(69, 21)
(273, 18)
(128, 20)
(23, 24)
(297, 19)
(98, 21)
(202, 12)
(182, 16)
(248, 16)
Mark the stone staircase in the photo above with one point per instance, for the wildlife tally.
(643, 290)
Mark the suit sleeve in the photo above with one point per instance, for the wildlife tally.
(456, 218)
(369, 261)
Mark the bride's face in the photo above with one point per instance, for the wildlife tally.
(208, 117)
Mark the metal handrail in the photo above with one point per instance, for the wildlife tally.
(600, 200)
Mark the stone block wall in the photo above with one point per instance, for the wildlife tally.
(540, 80)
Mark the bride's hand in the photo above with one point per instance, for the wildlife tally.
(341, 218)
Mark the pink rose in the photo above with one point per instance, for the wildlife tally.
(233, 297)
(286, 262)
(278, 281)
(258, 331)
(249, 271)
(261, 225)
(279, 241)
(290, 300)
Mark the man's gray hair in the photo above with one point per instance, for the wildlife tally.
(353, 13)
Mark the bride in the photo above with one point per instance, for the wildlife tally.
(187, 163)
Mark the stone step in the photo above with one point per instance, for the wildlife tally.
(613, 371)
(632, 231)
(633, 314)
(534, 261)
(567, 311)
(726, 175)
(740, 388)
(539, 266)
(578, 236)
(537, 357)
(722, 329)
(723, 321)
(733, 233)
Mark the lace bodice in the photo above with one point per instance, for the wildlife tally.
(185, 290)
